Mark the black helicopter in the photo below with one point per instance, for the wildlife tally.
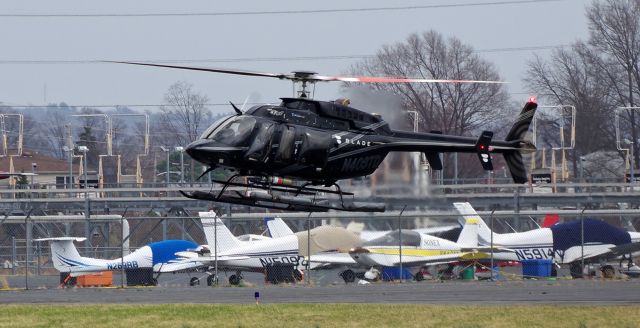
(286, 149)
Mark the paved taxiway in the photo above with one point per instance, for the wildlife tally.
(596, 292)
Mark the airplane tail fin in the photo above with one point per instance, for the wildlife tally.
(277, 227)
(470, 215)
(517, 134)
(64, 254)
(469, 234)
(214, 227)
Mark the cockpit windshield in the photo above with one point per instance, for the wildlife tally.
(233, 131)
(409, 238)
(214, 126)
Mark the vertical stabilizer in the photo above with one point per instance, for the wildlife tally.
(517, 134)
(469, 213)
(469, 234)
(277, 227)
(64, 254)
(214, 227)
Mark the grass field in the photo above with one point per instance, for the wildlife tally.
(316, 315)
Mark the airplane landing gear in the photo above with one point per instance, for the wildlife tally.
(348, 276)
(576, 270)
(194, 281)
(235, 279)
(212, 280)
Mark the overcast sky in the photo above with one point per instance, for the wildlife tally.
(283, 36)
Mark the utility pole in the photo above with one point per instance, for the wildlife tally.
(181, 150)
(87, 227)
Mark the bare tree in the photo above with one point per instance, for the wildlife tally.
(596, 76)
(55, 133)
(183, 113)
(453, 108)
(181, 119)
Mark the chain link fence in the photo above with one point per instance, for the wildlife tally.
(316, 249)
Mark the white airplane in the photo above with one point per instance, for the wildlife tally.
(561, 243)
(159, 256)
(281, 258)
(419, 249)
(276, 227)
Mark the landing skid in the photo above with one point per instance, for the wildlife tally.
(266, 198)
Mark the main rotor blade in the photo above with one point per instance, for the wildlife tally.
(310, 76)
(382, 79)
(204, 69)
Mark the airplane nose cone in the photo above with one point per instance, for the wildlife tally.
(196, 151)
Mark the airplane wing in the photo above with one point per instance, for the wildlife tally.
(212, 259)
(487, 249)
(332, 258)
(182, 265)
(467, 254)
(437, 259)
(612, 252)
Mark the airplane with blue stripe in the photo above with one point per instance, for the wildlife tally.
(159, 256)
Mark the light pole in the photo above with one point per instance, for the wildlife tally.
(166, 178)
(87, 226)
(632, 160)
(34, 166)
(181, 150)
(582, 160)
(69, 152)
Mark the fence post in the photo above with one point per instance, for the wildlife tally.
(27, 250)
(400, 240)
(491, 224)
(13, 255)
(122, 272)
(308, 269)
(39, 252)
(582, 241)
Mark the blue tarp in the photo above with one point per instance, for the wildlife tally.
(567, 235)
(393, 273)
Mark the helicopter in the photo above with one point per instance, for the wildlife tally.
(304, 146)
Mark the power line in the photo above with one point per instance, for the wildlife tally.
(274, 12)
(257, 59)
(55, 106)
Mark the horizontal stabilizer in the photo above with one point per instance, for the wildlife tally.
(482, 149)
(78, 239)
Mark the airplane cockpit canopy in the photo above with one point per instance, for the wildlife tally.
(392, 238)
(232, 131)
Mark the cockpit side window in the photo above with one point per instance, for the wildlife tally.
(261, 144)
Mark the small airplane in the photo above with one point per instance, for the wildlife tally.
(281, 259)
(282, 150)
(561, 243)
(276, 228)
(159, 256)
(419, 249)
